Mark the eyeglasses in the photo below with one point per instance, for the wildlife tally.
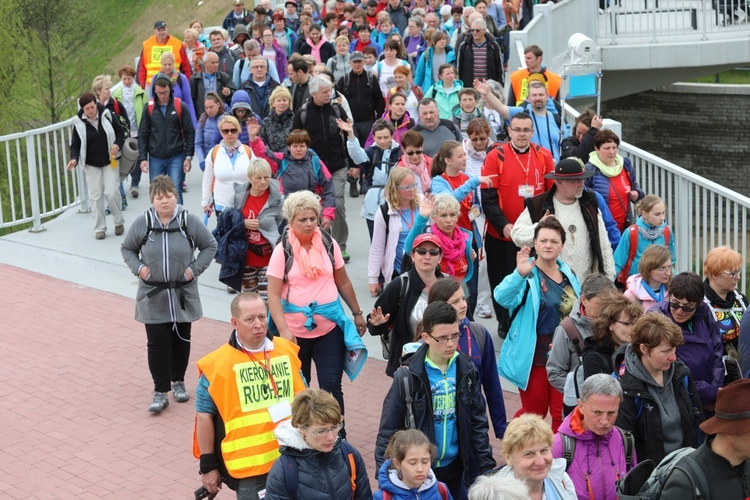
(258, 67)
(323, 432)
(664, 269)
(676, 306)
(478, 139)
(444, 340)
(229, 131)
(476, 30)
(408, 186)
(735, 275)
(432, 251)
(522, 130)
(415, 152)
(626, 323)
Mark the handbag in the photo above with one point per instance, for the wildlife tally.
(263, 250)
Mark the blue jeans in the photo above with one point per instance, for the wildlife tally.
(328, 352)
(172, 167)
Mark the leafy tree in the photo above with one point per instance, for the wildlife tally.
(13, 71)
(56, 32)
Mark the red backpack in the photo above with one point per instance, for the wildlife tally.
(633, 235)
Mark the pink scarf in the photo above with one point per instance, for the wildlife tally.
(422, 171)
(453, 247)
(310, 263)
(315, 50)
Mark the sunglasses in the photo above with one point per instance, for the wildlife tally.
(229, 131)
(423, 251)
(677, 305)
(407, 187)
(415, 152)
(476, 30)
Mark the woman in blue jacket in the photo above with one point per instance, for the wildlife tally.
(540, 293)
(614, 177)
(424, 77)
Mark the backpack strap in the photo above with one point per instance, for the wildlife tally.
(348, 451)
(405, 389)
(697, 477)
(628, 442)
(573, 334)
(479, 333)
(569, 449)
(633, 247)
(289, 466)
(442, 489)
(384, 212)
(523, 301)
(386, 495)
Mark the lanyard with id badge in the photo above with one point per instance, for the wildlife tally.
(525, 190)
(281, 410)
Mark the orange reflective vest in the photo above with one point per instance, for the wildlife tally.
(242, 391)
(152, 52)
(519, 81)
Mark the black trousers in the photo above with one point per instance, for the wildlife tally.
(168, 353)
(453, 477)
(501, 261)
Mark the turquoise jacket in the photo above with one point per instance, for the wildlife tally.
(445, 102)
(420, 224)
(623, 248)
(517, 352)
(356, 354)
(423, 77)
(440, 185)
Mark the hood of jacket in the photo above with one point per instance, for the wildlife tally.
(635, 367)
(636, 287)
(573, 426)
(389, 481)
(241, 99)
(642, 223)
(457, 85)
(165, 78)
(281, 118)
(583, 323)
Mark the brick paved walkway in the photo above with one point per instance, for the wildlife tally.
(76, 392)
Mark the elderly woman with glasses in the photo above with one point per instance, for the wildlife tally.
(722, 268)
(659, 404)
(702, 348)
(310, 441)
(540, 293)
(226, 164)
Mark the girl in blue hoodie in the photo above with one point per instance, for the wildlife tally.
(407, 472)
(650, 228)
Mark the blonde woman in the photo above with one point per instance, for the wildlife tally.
(278, 124)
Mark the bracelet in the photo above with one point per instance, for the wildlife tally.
(357, 313)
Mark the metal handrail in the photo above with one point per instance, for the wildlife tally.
(37, 184)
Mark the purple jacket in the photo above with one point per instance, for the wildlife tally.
(594, 457)
(701, 351)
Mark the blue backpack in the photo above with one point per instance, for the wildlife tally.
(289, 465)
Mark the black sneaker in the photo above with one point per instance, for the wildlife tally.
(353, 191)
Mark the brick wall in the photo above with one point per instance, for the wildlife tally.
(704, 129)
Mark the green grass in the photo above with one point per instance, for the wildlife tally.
(735, 76)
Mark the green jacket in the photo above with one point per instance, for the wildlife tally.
(140, 101)
(445, 102)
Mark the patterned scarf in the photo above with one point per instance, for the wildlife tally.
(453, 247)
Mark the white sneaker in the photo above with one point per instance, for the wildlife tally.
(484, 311)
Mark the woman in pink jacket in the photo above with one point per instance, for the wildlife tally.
(650, 285)
(392, 224)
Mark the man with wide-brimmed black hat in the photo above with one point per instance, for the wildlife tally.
(725, 455)
(587, 249)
